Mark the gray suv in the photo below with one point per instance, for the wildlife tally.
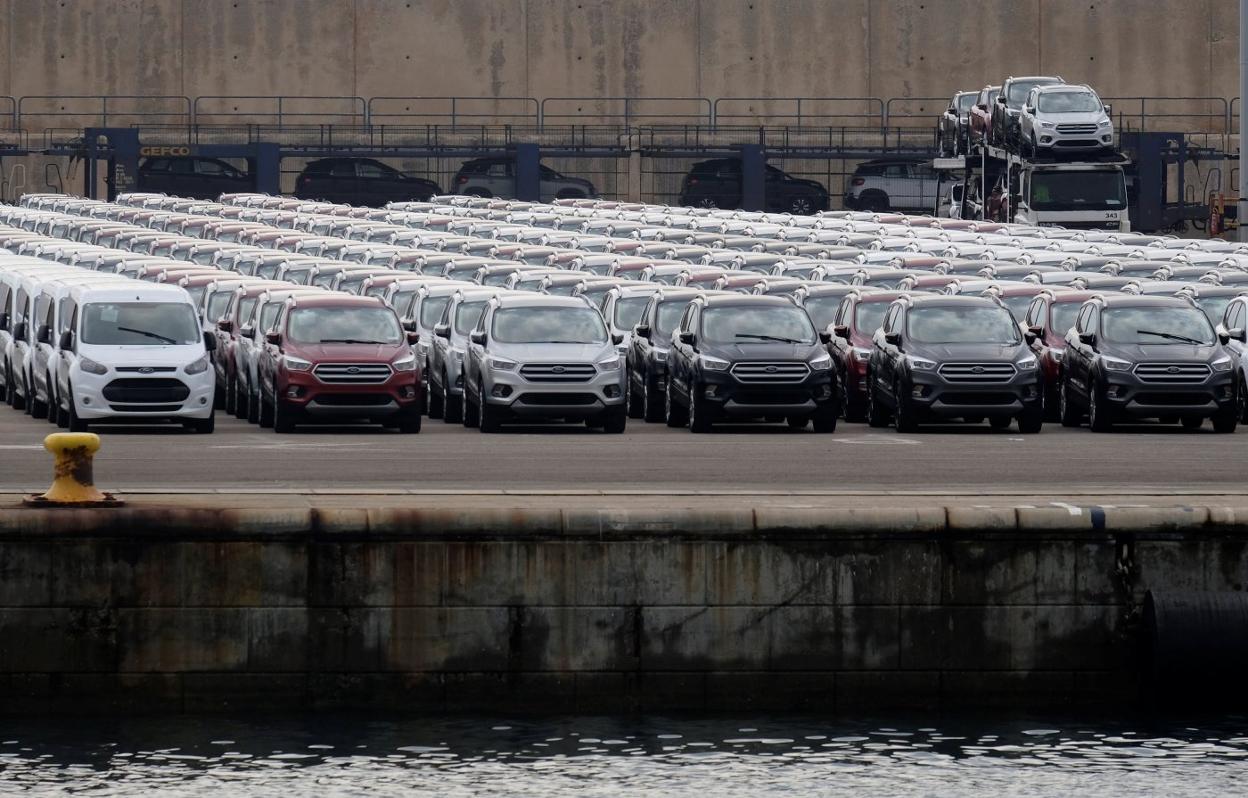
(534, 357)
(450, 342)
(496, 177)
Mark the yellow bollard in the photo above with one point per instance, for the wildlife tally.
(73, 484)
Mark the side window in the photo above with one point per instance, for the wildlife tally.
(372, 170)
(497, 170)
(180, 166)
(684, 319)
(157, 165)
(896, 170)
(1094, 319)
(1234, 316)
(342, 169)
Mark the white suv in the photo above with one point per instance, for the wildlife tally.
(1065, 119)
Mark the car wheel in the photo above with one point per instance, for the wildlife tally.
(240, 400)
(409, 420)
(903, 414)
(266, 412)
(877, 415)
(706, 202)
(699, 413)
(62, 415)
(53, 404)
(489, 417)
(1000, 422)
(472, 411)
(452, 411)
(37, 407)
(873, 202)
(283, 417)
(673, 413)
(1241, 400)
(253, 408)
(825, 418)
(203, 426)
(229, 400)
(1066, 412)
(853, 409)
(652, 409)
(801, 206)
(1099, 418)
(75, 424)
(1193, 422)
(1226, 420)
(570, 193)
(1031, 421)
(434, 400)
(634, 403)
(615, 421)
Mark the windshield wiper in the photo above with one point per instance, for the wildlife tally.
(149, 334)
(776, 338)
(1172, 337)
(347, 341)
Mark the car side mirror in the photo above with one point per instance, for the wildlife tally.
(1224, 337)
(210, 343)
(67, 340)
(478, 337)
(1037, 332)
(982, 106)
(1238, 334)
(410, 326)
(1109, 109)
(892, 338)
(841, 331)
(825, 337)
(413, 338)
(43, 335)
(642, 331)
(19, 333)
(1000, 99)
(1031, 336)
(617, 338)
(225, 325)
(246, 332)
(274, 338)
(442, 330)
(1087, 338)
(688, 338)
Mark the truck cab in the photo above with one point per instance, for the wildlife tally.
(1084, 196)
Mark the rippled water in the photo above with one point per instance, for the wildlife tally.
(349, 756)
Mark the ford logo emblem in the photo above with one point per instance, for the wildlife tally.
(146, 370)
(977, 370)
(771, 369)
(1173, 370)
(557, 369)
(353, 370)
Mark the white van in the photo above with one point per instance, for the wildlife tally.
(134, 351)
(18, 278)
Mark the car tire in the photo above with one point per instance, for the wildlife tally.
(636, 409)
(1000, 422)
(699, 413)
(1099, 418)
(873, 202)
(903, 414)
(53, 405)
(253, 408)
(706, 202)
(477, 192)
(410, 420)
(1067, 414)
(203, 426)
(1192, 423)
(652, 408)
(470, 416)
(490, 417)
(824, 418)
(36, 407)
(877, 414)
(615, 421)
(1225, 421)
(75, 424)
(283, 417)
(797, 422)
(801, 206)
(265, 414)
(1031, 421)
(241, 401)
(570, 193)
(229, 399)
(853, 409)
(452, 411)
(17, 400)
(62, 416)
(1241, 400)
(673, 414)
(434, 401)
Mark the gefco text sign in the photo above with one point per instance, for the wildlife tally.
(165, 152)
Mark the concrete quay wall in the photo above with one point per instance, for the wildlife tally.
(171, 610)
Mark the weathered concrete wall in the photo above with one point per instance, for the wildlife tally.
(552, 48)
(570, 610)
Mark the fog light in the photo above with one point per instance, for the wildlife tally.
(501, 391)
(86, 400)
(611, 391)
(293, 392)
(825, 392)
(918, 391)
(1046, 139)
(710, 392)
(1029, 392)
(408, 392)
(1111, 392)
(203, 400)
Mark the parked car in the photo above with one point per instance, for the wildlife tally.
(951, 130)
(1049, 317)
(894, 184)
(1130, 357)
(979, 122)
(735, 356)
(949, 357)
(1065, 119)
(446, 352)
(717, 184)
(858, 315)
(200, 178)
(360, 181)
(1009, 104)
(496, 177)
(1231, 329)
(533, 357)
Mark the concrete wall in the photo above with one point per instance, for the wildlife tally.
(549, 611)
(552, 48)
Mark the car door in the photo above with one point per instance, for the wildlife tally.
(1233, 319)
(680, 356)
(377, 183)
(1078, 354)
(725, 186)
(925, 185)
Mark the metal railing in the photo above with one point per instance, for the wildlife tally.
(799, 111)
(280, 111)
(454, 111)
(101, 110)
(913, 111)
(8, 113)
(1172, 114)
(626, 111)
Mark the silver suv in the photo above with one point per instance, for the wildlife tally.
(450, 342)
(496, 177)
(540, 357)
(1065, 119)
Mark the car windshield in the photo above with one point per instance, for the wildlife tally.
(628, 311)
(197, 294)
(1103, 189)
(431, 310)
(217, 304)
(962, 325)
(467, 315)
(669, 316)
(464, 273)
(1214, 307)
(966, 102)
(1062, 316)
(1067, 102)
(349, 325)
(1018, 91)
(561, 325)
(757, 324)
(268, 315)
(821, 309)
(1017, 305)
(139, 324)
(1156, 325)
(869, 316)
(246, 307)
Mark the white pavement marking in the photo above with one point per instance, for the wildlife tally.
(878, 440)
(22, 446)
(325, 445)
(1072, 509)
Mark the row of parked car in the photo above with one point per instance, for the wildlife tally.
(705, 315)
(1031, 116)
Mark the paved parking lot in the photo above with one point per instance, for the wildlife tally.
(952, 460)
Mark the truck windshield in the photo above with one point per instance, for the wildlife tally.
(562, 325)
(963, 325)
(1094, 190)
(139, 324)
(344, 325)
(747, 324)
(1157, 325)
(1068, 102)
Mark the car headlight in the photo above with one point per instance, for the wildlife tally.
(921, 363)
(1026, 364)
(1221, 364)
(1116, 364)
(91, 367)
(611, 363)
(821, 363)
(499, 364)
(1047, 125)
(713, 363)
(407, 363)
(296, 363)
(198, 366)
(1105, 123)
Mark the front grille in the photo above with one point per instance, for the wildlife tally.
(146, 369)
(1085, 144)
(1173, 373)
(352, 373)
(353, 399)
(770, 373)
(771, 397)
(145, 408)
(1079, 130)
(141, 391)
(548, 399)
(986, 398)
(558, 372)
(977, 373)
(1175, 398)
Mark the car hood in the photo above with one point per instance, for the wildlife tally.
(762, 350)
(1081, 118)
(356, 353)
(989, 353)
(553, 353)
(157, 356)
(1163, 352)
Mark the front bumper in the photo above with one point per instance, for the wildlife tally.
(510, 391)
(732, 397)
(1058, 141)
(303, 391)
(933, 395)
(1128, 395)
(167, 395)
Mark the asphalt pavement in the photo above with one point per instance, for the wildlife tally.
(1151, 463)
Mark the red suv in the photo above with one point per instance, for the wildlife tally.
(339, 357)
(855, 322)
(1049, 317)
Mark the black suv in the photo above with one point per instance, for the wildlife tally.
(945, 357)
(197, 178)
(749, 357)
(1146, 357)
(360, 181)
(717, 184)
(648, 349)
